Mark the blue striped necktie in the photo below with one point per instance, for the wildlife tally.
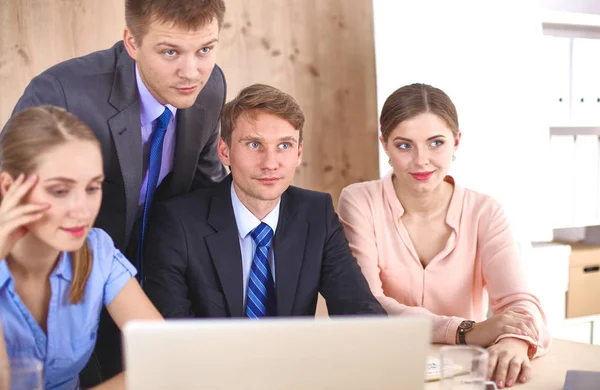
(260, 299)
(154, 161)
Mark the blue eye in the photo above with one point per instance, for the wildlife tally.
(285, 145)
(403, 146)
(437, 143)
(60, 193)
(205, 50)
(253, 145)
(170, 53)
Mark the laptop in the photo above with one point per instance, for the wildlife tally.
(582, 380)
(275, 354)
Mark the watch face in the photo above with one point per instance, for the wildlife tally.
(465, 325)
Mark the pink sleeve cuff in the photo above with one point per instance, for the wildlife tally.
(451, 329)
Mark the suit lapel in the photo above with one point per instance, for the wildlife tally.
(289, 245)
(224, 247)
(125, 127)
(188, 142)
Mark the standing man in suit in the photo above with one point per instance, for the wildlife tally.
(153, 100)
(254, 245)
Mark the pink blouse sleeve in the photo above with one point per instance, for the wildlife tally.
(356, 216)
(505, 279)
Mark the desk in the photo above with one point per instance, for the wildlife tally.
(549, 371)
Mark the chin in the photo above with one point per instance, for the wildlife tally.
(183, 103)
(273, 194)
(69, 245)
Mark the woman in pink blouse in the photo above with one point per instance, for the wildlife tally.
(427, 246)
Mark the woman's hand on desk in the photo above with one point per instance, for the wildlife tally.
(508, 362)
(487, 332)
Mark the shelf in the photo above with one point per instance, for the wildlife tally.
(570, 19)
(575, 130)
(577, 224)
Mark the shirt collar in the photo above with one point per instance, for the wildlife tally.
(246, 221)
(150, 108)
(5, 275)
(454, 209)
(63, 269)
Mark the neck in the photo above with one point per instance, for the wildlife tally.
(424, 204)
(31, 259)
(258, 207)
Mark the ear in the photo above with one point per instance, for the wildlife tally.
(457, 140)
(130, 43)
(6, 181)
(300, 145)
(223, 151)
(384, 144)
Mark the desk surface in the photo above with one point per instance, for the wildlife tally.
(549, 371)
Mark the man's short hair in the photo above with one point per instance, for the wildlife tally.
(260, 98)
(188, 14)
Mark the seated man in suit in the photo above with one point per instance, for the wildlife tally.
(254, 245)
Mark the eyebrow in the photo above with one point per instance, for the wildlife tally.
(259, 138)
(174, 46)
(428, 139)
(70, 181)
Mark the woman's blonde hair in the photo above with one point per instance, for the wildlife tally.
(28, 135)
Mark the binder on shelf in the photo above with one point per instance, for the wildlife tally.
(557, 76)
(585, 101)
(562, 161)
(586, 177)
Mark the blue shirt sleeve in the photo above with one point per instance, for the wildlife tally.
(117, 270)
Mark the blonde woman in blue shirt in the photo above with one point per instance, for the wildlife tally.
(56, 270)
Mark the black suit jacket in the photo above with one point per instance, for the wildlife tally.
(194, 264)
(101, 90)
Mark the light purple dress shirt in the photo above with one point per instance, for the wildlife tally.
(150, 110)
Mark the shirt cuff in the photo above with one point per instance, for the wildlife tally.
(451, 330)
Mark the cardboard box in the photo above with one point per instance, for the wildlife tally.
(583, 296)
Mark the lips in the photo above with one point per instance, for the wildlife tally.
(186, 90)
(77, 231)
(422, 176)
(269, 180)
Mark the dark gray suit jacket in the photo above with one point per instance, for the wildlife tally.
(194, 264)
(101, 90)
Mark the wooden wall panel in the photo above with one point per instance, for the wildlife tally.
(36, 34)
(320, 51)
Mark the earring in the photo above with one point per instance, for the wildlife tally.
(390, 162)
(453, 157)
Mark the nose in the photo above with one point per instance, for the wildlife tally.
(422, 157)
(269, 161)
(81, 208)
(189, 68)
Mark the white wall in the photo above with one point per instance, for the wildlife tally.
(581, 6)
(486, 57)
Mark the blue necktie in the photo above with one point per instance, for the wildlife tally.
(154, 161)
(260, 299)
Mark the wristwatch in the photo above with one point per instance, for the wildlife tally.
(464, 328)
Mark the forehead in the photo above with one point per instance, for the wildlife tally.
(422, 126)
(265, 125)
(160, 31)
(76, 159)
